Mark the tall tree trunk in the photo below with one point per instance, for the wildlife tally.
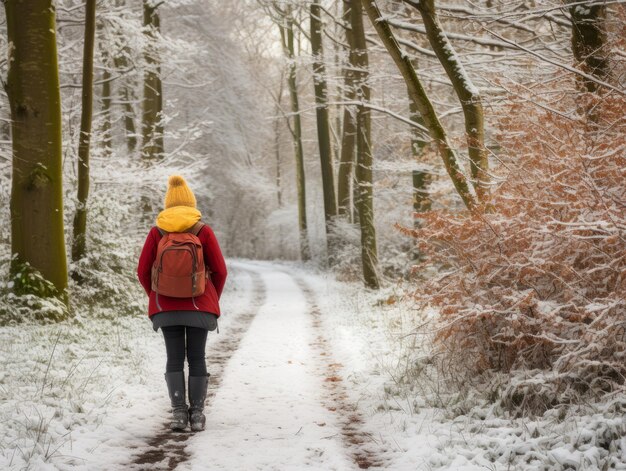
(5, 119)
(345, 174)
(421, 203)
(37, 236)
(129, 119)
(287, 36)
(323, 129)
(589, 41)
(348, 136)
(279, 198)
(426, 109)
(80, 218)
(418, 143)
(127, 98)
(421, 179)
(158, 128)
(468, 95)
(107, 136)
(355, 188)
(337, 127)
(421, 198)
(365, 207)
(152, 128)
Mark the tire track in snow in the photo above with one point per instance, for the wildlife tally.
(350, 420)
(169, 447)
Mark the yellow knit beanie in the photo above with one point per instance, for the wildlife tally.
(178, 193)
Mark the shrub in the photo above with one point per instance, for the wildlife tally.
(539, 283)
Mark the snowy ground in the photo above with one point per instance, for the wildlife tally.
(303, 377)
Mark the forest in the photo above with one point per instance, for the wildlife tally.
(421, 203)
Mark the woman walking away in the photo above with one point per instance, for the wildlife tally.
(183, 272)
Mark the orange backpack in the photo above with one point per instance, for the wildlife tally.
(178, 270)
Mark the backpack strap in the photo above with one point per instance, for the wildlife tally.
(196, 228)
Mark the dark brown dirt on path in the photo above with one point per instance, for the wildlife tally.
(360, 444)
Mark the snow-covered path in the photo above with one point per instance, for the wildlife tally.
(303, 376)
(275, 402)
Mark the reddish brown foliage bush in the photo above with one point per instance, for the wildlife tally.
(539, 283)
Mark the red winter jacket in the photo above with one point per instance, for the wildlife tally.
(213, 260)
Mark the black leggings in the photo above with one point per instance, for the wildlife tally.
(175, 346)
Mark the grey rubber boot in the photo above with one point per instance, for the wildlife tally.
(176, 388)
(197, 395)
